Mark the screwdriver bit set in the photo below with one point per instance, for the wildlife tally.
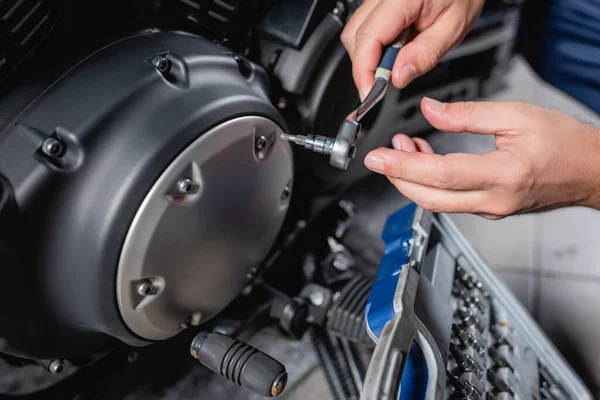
(489, 357)
(460, 332)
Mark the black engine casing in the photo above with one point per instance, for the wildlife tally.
(63, 219)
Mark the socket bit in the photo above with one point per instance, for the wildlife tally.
(467, 340)
(316, 143)
(463, 388)
(466, 363)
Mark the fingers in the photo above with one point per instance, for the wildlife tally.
(382, 25)
(423, 146)
(426, 49)
(476, 117)
(403, 142)
(439, 200)
(453, 171)
(362, 80)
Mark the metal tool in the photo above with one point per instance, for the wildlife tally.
(466, 363)
(391, 318)
(462, 388)
(342, 148)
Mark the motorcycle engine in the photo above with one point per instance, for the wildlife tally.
(145, 185)
(143, 181)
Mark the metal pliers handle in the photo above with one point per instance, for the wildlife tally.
(342, 149)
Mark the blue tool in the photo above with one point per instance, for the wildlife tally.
(400, 368)
(342, 149)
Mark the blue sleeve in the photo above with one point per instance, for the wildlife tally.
(568, 56)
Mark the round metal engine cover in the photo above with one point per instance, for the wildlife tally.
(186, 256)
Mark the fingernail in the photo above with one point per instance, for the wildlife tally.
(406, 75)
(397, 144)
(374, 163)
(434, 104)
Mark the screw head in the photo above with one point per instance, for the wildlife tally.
(342, 262)
(145, 288)
(162, 64)
(185, 186)
(317, 297)
(261, 143)
(282, 103)
(53, 147)
(132, 357)
(56, 366)
(286, 192)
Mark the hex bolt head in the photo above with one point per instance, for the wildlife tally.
(145, 288)
(261, 143)
(132, 357)
(185, 186)
(56, 366)
(53, 147)
(317, 297)
(342, 262)
(286, 192)
(161, 63)
(193, 320)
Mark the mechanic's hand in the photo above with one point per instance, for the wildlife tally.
(544, 160)
(440, 25)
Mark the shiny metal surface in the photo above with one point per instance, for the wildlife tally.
(393, 346)
(197, 249)
(344, 146)
(375, 95)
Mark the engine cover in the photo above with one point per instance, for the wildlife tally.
(168, 186)
(187, 256)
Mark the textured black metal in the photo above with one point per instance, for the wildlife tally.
(346, 315)
(337, 380)
(122, 129)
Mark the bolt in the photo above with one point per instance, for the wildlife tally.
(317, 297)
(161, 63)
(340, 8)
(185, 186)
(286, 192)
(192, 320)
(132, 357)
(342, 262)
(282, 103)
(56, 366)
(195, 318)
(261, 143)
(145, 288)
(53, 147)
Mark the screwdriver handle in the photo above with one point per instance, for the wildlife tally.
(390, 52)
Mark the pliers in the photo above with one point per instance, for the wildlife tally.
(342, 149)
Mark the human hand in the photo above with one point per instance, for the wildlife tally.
(440, 25)
(544, 160)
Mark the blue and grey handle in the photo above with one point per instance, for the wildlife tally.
(390, 52)
(343, 148)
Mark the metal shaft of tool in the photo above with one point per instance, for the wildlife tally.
(316, 143)
(342, 148)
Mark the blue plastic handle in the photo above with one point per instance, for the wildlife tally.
(389, 56)
(390, 52)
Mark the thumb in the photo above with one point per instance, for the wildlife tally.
(488, 118)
